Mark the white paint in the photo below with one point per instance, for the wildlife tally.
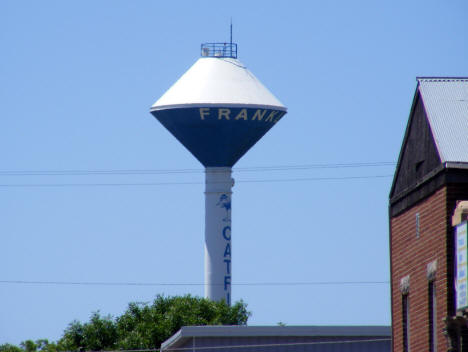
(461, 260)
(218, 268)
(218, 82)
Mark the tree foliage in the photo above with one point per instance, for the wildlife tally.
(100, 333)
(42, 345)
(146, 326)
(141, 326)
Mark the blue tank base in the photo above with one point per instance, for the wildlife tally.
(218, 136)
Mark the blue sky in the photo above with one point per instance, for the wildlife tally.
(77, 79)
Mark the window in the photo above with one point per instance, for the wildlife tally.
(417, 225)
(432, 317)
(418, 166)
(405, 322)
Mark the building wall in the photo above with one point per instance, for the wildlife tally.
(410, 255)
(290, 344)
(455, 193)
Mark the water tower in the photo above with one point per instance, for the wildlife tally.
(218, 110)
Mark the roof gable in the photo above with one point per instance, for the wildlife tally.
(418, 155)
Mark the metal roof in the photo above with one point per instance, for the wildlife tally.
(187, 332)
(446, 104)
(218, 82)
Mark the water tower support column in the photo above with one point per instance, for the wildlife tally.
(218, 185)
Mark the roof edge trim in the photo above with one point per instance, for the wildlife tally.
(456, 165)
(268, 331)
(416, 185)
(416, 96)
(173, 339)
(441, 79)
(218, 105)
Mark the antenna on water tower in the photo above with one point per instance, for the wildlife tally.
(231, 32)
(218, 110)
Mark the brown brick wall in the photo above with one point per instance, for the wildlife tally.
(455, 192)
(410, 256)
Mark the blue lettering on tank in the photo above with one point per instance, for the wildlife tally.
(227, 233)
(228, 265)
(227, 282)
(227, 250)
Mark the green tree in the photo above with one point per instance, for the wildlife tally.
(6, 347)
(145, 325)
(141, 326)
(42, 345)
(98, 334)
(29, 346)
(148, 325)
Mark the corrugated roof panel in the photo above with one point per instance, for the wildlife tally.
(446, 104)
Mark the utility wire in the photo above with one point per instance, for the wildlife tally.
(317, 166)
(98, 283)
(188, 171)
(37, 185)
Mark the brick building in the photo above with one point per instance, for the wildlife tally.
(430, 180)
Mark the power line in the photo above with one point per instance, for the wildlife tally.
(317, 166)
(102, 283)
(317, 178)
(38, 185)
(96, 172)
(189, 171)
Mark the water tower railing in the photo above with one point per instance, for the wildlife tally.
(219, 50)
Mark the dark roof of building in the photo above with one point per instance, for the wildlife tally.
(188, 332)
